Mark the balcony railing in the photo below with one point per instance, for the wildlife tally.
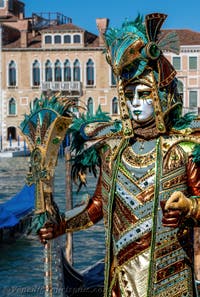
(195, 110)
(68, 86)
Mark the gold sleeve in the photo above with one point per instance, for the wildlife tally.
(193, 177)
(88, 216)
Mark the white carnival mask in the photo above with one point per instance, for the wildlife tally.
(139, 102)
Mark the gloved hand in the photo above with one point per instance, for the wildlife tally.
(51, 230)
(178, 206)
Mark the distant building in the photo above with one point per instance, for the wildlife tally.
(48, 53)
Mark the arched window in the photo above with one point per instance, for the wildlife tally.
(77, 38)
(67, 71)
(12, 107)
(90, 73)
(11, 133)
(48, 71)
(90, 106)
(58, 71)
(180, 88)
(48, 39)
(36, 73)
(57, 39)
(193, 99)
(10, 4)
(76, 71)
(114, 106)
(67, 39)
(113, 80)
(12, 74)
(2, 3)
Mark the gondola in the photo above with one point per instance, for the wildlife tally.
(16, 215)
(87, 283)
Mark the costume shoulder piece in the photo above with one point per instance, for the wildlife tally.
(186, 134)
(92, 129)
(89, 133)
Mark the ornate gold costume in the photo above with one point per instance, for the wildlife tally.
(145, 258)
(149, 249)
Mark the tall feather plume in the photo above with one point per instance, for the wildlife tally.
(32, 128)
(154, 22)
(45, 124)
(170, 42)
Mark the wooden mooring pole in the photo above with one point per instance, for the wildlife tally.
(69, 205)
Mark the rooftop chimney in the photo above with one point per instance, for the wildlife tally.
(21, 15)
(24, 38)
(102, 25)
(22, 26)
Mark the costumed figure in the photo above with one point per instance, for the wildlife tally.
(148, 184)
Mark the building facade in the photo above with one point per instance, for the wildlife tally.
(47, 54)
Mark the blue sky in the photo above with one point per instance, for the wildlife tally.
(181, 14)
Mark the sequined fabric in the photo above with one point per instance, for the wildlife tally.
(144, 258)
(132, 225)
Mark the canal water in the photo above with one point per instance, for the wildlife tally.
(21, 263)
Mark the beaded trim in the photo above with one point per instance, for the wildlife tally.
(137, 160)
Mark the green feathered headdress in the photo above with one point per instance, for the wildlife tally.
(134, 46)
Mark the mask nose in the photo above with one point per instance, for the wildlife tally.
(136, 101)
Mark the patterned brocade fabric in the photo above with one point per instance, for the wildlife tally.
(164, 266)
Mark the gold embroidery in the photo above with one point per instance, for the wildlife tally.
(136, 160)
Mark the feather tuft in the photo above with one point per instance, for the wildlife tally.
(170, 42)
(185, 121)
